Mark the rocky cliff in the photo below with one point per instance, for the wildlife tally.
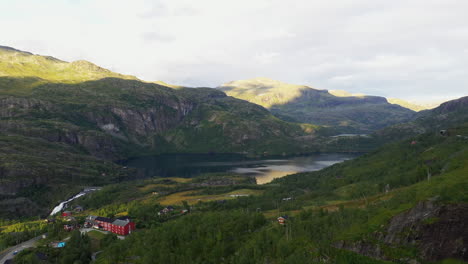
(435, 231)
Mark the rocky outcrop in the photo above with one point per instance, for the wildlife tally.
(437, 231)
(16, 107)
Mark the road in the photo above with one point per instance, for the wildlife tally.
(86, 230)
(8, 254)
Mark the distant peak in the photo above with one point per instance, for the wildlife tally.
(6, 48)
(262, 82)
(86, 65)
(343, 93)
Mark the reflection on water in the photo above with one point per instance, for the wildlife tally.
(268, 171)
(190, 165)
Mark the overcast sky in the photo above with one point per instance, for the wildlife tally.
(411, 49)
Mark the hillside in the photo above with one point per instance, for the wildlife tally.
(400, 204)
(400, 102)
(403, 203)
(344, 114)
(94, 116)
(16, 63)
(447, 116)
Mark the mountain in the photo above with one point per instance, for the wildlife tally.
(63, 124)
(448, 116)
(406, 104)
(400, 102)
(344, 113)
(16, 63)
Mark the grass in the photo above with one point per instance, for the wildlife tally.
(192, 198)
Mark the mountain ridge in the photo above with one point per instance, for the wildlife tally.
(300, 103)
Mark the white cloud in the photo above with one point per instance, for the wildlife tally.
(392, 48)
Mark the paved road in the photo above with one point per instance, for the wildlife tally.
(9, 253)
(86, 230)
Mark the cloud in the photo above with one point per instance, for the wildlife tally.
(395, 48)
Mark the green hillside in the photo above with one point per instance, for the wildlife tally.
(96, 116)
(344, 114)
(448, 116)
(404, 203)
(16, 63)
(354, 212)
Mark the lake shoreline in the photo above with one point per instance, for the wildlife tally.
(264, 169)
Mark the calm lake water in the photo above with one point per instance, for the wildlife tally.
(264, 170)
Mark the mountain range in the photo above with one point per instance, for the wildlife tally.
(68, 125)
(80, 118)
(338, 110)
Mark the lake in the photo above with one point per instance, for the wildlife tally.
(264, 170)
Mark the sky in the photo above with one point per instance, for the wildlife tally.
(411, 49)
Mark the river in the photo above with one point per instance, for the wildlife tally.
(264, 170)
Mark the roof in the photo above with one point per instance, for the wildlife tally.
(103, 219)
(119, 222)
(123, 218)
(91, 217)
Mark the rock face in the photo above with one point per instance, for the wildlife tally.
(437, 231)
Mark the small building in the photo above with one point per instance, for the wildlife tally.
(66, 213)
(78, 209)
(166, 210)
(68, 227)
(282, 219)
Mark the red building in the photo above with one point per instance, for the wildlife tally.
(104, 222)
(66, 213)
(282, 219)
(121, 226)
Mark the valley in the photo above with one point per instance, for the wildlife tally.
(253, 171)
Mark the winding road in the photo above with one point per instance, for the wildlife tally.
(8, 254)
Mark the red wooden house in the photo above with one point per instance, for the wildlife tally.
(282, 219)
